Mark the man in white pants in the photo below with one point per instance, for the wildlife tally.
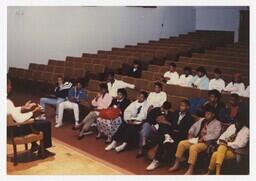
(75, 95)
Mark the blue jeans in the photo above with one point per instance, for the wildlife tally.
(145, 132)
(51, 101)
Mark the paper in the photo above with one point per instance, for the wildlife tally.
(193, 140)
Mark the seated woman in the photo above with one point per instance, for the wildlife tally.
(200, 81)
(101, 101)
(235, 137)
(128, 132)
(75, 95)
(185, 77)
(171, 134)
(156, 98)
(236, 86)
(22, 114)
(202, 133)
(108, 126)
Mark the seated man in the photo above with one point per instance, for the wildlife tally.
(185, 77)
(101, 101)
(135, 71)
(235, 137)
(236, 86)
(171, 135)
(247, 92)
(157, 98)
(214, 100)
(201, 134)
(200, 81)
(75, 95)
(232, 109)
(171, 76)
(60, 94)
(114, 85)
(128, 132)
(148, 127)
(217, 82)
(19, 116)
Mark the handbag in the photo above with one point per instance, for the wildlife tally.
(109, 113)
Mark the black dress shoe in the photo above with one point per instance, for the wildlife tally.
(46, 154)
(80, 137)
(140, 153)
(34, 147)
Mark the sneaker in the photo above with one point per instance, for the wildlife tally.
(120, 147)
(153, 165)
(111, 146)
(58, 125)
(41, 117)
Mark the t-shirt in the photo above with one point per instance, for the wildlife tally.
(174, 77)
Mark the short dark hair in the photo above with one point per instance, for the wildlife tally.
(173, 64)
(103, 86)
(201, 69)
(122, 91)
(111, 73)
(81, 81)
(186, 102)
(235, 96)
(209, 108)
(187, 69)
(167, 105)
(214, 92)
(217, 71)
(144, 93)
(159, 85)
(243, 117)
(137, 62)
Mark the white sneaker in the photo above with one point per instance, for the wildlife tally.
(111, 146)
(153, 165)
(41, 117)
(120, 147)
(58, 125)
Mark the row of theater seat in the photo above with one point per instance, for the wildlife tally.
(175, 93)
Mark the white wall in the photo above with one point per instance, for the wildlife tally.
(218, 18)
(36, 34)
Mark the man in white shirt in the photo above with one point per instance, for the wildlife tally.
(171, 76)
(22, 114)
(247, 92)
(134, 116)
(236, 86)
(217, 82)
(157, 98)
(114, 85)
(186, 77)
(235, 137)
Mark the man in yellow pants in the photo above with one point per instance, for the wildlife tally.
(201, 133)
(235, 137)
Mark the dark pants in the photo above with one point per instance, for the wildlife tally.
(39, 125)
(165, 152)
(128, 133)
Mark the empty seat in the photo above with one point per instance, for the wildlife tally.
(130, 80)
(142, 84)
(93, 85)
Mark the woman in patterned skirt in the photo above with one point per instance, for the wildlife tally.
(108, 127)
